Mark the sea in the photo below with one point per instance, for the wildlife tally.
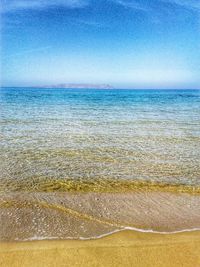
(68, 147)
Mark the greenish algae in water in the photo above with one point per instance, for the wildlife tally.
(97, 185)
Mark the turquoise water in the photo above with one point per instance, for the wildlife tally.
(76, 134)
(69, 160)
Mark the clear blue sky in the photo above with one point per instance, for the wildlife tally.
(126, 43)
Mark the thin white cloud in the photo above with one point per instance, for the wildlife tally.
(14, 5)
(150, 5)
(30, 51)
(137, 5)
(188, 4)
(87, 22)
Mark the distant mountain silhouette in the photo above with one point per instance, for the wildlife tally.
(79, 86)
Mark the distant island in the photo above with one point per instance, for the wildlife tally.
(78, 86)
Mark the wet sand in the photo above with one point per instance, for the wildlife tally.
(56, 215)
(65, 218)
(126, 248)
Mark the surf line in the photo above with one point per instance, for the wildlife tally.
(67, 210)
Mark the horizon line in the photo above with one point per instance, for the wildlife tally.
(113, 88)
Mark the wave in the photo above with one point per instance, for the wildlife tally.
(35, 216)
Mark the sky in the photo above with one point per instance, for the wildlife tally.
(125, 43)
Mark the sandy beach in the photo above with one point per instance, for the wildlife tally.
(126, 248)
(100, 133)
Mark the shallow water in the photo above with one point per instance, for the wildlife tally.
(151, 135)
(75, 140)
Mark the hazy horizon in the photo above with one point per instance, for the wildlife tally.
(113, 88)
(126, 44)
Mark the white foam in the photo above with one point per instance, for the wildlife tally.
(39, 238)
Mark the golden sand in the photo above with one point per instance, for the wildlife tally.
(127, 248)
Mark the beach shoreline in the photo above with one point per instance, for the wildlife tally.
(28, 216)
(64, 215)
(125, 248)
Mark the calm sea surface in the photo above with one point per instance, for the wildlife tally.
(68, 159)
(75, 134)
